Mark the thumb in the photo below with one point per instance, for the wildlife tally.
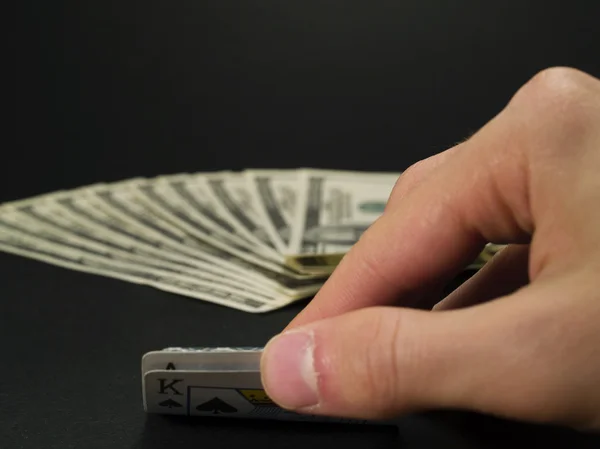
(368, 364)
(503, 357)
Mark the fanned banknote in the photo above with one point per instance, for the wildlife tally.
(254, 241)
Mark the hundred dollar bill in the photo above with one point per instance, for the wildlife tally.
(112, 230)
(194, 194)
(19, 243)
(109, 230)
(48, 221)
(170, 195)
(90, 220)
(334, 209)
(194, 199)
(274, 194)
(122, 200)
(157, 232)
(53, 225)
(231, 190)
(161, 200)
(315, 264)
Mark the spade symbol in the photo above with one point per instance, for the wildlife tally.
(170, 403)
(170, 366)
(216, 406)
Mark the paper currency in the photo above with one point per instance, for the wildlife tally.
(275, 196)
(333, 210)
(254, 241)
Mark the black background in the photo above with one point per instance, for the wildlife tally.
(106, 90)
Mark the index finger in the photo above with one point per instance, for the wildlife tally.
(436, 229)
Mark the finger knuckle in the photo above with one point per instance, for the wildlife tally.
(390, 362)
(559, 96)
(409, 178)
(415, 169)
(556, 85)
(381, 382)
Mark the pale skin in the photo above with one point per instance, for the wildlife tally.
(521, 338)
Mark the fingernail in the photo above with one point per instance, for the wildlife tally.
(288, 372)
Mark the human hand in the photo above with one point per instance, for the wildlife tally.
(521, 338)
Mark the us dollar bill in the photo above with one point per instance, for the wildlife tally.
(51, 226)
(112, 230)
(123, 200)
(158, 198)
(274, 195)
(190, 208)
(241, 263)
(231, 190)
(20, 242)
(315, 264)
(89, 207)
(195, 198)
(70, 214)
(334, 208)
(88, 220)
(255, 241)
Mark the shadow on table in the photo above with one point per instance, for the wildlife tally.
(447, 430)
(183, 433)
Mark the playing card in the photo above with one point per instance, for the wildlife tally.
(222, 382)
(185, 359)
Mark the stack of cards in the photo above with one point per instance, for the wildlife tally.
(217, 382)
(255, 240)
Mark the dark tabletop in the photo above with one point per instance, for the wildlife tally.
(107, 90)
